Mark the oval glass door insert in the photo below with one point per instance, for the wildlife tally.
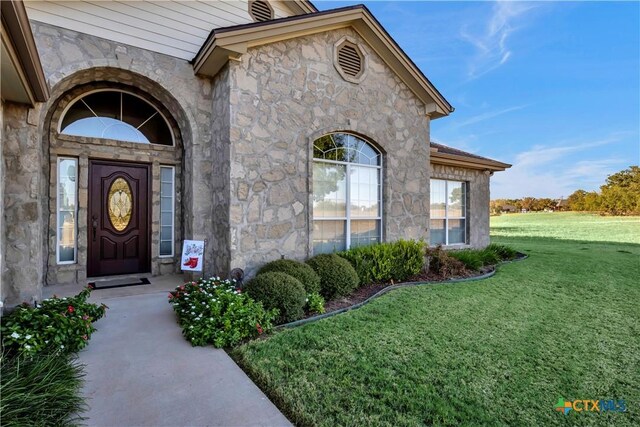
(120, 203)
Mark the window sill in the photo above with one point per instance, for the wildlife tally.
(453, 247)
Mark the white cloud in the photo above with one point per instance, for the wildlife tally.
(491, 41)
(553, 171)
(488, 115)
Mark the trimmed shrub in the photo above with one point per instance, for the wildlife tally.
(488, 257)
(384, 262)
(298, 270)
(504, 252)
(469, 257)
(280, 291)
(475, 259)
(442, 265)
(56, 325)
(41, 389)
(337, 276)
(213, 311)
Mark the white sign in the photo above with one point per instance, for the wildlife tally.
(192, 255)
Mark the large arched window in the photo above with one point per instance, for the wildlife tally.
(115, 114)
(347, 193)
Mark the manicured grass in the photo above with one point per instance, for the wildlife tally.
(563, 323)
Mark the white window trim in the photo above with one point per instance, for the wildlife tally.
(446, 218)
(173, 213)
(347, 218)
(58, 226)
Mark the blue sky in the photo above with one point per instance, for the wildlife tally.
(550, 87)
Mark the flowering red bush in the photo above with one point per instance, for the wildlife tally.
(58, 324)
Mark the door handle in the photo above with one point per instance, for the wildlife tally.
(94, 224)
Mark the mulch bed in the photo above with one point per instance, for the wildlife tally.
(365, 292)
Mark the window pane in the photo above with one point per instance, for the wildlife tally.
(366, 154)
(166, 175)
(165, 218)
(455, 198)
(165, 232)
(329, 236)
(166, 247)
(329, 190)
(365, 233)
(166, 189)
(166, 204)
(438, 198)
(437, 232)
(364, 192)
(457, 231)
(66, 236)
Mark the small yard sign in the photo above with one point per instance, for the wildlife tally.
(192, 255)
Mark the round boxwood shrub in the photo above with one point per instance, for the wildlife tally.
(298, 270)
(337, 276)
(281, 291)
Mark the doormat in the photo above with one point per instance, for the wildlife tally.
(118, 283)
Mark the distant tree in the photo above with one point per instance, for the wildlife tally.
(528, 203)
(495, 206)
(576, 200)
(621, 193)
(592, 202)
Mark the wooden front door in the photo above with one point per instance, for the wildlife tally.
(118, 223)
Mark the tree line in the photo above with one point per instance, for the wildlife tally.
(620, 195)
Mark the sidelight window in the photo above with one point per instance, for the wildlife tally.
(67, 210)
(167, 210)
(347, 193)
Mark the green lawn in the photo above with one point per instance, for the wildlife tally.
(563, 323)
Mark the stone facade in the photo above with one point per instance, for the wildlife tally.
(24, 204)
(284, 96)
(478, 199)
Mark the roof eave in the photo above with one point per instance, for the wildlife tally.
(303, 6)
(17, 36)
(468, 162)
(231, 43)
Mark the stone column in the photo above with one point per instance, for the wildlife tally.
(24, 219)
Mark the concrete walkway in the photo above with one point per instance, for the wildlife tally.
(142, 372)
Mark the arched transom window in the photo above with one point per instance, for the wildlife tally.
(116, 114)
(347, 193)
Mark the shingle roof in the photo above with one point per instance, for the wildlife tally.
(440, 149)
(450, 150)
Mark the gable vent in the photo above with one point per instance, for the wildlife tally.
(260, 11)
(349, 60)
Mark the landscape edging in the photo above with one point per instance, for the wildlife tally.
(394, 287)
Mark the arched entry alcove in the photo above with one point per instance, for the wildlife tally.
(115, 142)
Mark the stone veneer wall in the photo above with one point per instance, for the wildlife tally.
(284, 96)
(478, 197)
(221, 196)
(24, 203)
(70, 59)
